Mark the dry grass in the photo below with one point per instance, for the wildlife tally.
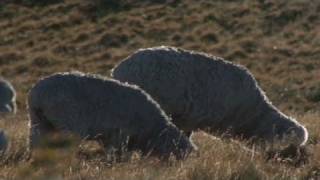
(277, 40)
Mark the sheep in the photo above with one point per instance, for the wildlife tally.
(201, 91)
(3, 142)
(7, 97)
(119, 116)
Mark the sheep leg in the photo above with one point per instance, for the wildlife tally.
(39, 128)
(113, 153)
(115, 145)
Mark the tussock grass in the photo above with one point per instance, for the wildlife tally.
(216, 159)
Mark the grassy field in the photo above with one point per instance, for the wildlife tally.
(279, 41)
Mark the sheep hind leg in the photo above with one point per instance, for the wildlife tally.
(39, 128)
(115, 146)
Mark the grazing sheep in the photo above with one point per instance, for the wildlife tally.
(204, 92)
(7, 97)
(95, 108)
(3, 142)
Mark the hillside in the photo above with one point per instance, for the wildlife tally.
(279, 41)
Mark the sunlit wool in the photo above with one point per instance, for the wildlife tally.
(118, 115)
(201, 91)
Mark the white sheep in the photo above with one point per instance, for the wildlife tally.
(117, 115)
(200, 91)
(7, 97)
